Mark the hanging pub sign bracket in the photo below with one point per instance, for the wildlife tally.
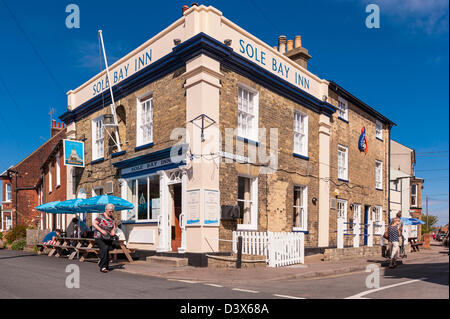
(203, 127)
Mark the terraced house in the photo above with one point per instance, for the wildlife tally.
(219, 132)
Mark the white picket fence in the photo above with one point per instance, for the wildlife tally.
(253, 243)
(280, 248)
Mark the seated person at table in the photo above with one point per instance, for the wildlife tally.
(70, 232)
(50, 238)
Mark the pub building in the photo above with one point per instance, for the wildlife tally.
(191, 106)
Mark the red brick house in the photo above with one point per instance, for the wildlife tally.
(22, 183)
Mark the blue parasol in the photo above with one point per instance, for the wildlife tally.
(412, 221)
(52, 209)
(98, 203)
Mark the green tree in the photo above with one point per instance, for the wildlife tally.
(429, 224)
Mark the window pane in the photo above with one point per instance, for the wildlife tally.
(142, 198)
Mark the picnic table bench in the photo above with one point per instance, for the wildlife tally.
(83, 246)
(414, 243)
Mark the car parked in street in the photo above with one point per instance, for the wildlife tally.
(440, 236)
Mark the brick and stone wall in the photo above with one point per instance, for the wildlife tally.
(360, 188)
(275, 191)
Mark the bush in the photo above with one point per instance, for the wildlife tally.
(19, 244)
(18, 232)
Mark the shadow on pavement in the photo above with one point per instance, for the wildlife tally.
(436, 273)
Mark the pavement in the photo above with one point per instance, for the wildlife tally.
(28, 275)
(313, 268)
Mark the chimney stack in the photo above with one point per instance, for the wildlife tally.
(282, 43)
(298, 53)
(56, 128)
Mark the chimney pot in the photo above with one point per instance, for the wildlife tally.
(298, 42)
(282, 43)
(185, 7)
(194, 4)
(290, 45)
(53, 123)
(275, 48)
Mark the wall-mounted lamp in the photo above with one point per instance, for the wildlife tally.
(351, 206)
(336, 192)
(176, 41)
(227, 42)
(314, 200)
(324, 98)
(108, 119)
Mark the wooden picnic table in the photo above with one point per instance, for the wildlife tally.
(83, 246)
(414, 243)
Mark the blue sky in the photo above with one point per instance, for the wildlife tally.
(400, 69)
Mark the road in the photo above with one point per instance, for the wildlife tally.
(25, 275)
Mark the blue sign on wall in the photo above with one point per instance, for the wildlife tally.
(73, 153)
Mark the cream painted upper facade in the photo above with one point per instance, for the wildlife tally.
(208, 20)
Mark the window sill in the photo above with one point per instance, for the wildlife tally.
(141, 147)
(378, 189)
(246, 140)
(342, 119)
(301, 156)
(299, 230)
(98, 160)
(343, 180)
(7, 202)
(118, 154)
(380, 139)
(58, 186)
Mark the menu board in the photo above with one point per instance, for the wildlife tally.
(193, 207)
(212, 208)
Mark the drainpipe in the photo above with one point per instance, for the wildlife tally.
(389, 176)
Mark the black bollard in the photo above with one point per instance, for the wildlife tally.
(239, 252)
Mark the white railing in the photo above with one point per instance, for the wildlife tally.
(253, 243)
(280, 248)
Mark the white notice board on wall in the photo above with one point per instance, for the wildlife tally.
(211, 207)
(193, 207)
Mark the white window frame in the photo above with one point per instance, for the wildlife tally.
(379, 175)
(140, 125)
(245, 112)
(98, 137)
(377, 218)
(254, 204)
(342, 212)
(343, 175)
(5, 220)
(7, 193)
(58, 171)
(300, 133)
(342, 108)
(414, 195)
(379, 129)
(304, 208)
(136, 200)
(50, 188)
